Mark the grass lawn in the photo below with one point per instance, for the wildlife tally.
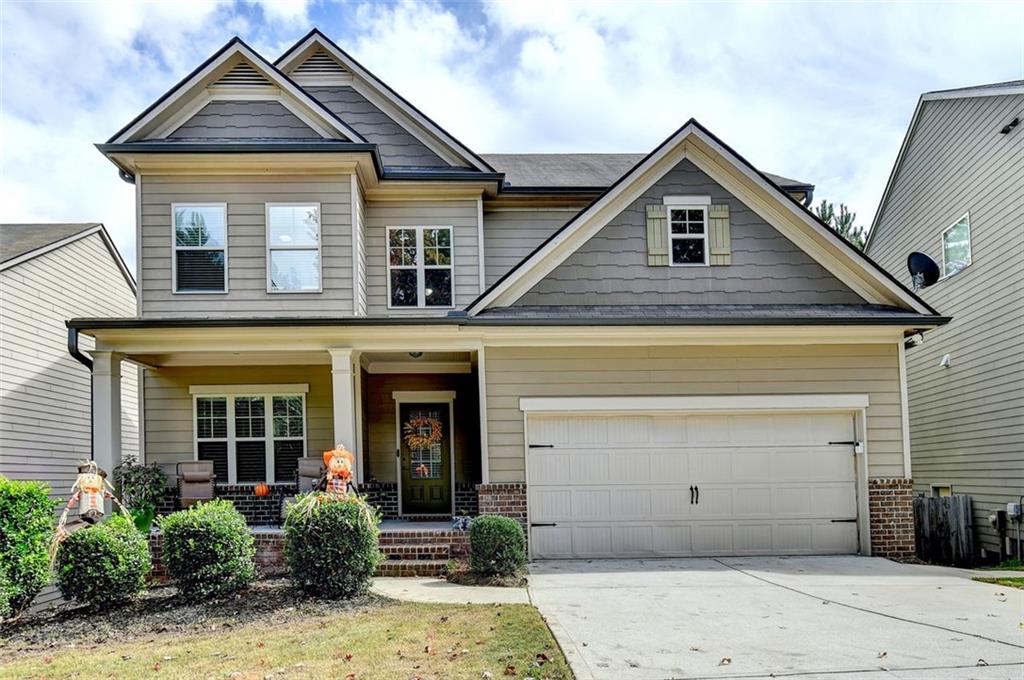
(389, 640)
(1008, 582)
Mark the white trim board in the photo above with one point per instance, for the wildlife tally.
(242, 390)
(696, 404)
(691, 142)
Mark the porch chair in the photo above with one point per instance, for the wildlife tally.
(309, 473)
(195, 482)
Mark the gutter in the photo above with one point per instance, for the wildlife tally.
(74, 351)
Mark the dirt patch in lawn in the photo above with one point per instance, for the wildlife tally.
(280, 639)
(160, 611)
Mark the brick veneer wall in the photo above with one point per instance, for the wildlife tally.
(467, 500)
(257, 510)
(891, 512)
(383, 496)
(508, 499)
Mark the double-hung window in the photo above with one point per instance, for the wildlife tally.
(687, 234)
(293, 248)
(251, 437)
(200, 250)
(420, 271)
(956, 246)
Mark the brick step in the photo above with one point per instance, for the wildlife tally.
(413, 551)
(422, 537)
(412, 568)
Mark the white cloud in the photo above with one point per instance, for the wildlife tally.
(819, 92)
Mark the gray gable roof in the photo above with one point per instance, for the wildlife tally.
(20, 239)
(593, 170)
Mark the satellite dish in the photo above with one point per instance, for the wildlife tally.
(923, 270)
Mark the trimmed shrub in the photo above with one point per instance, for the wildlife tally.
(5, 595)
(331, 544)
(497, 546)
(26, 529)
(103, 564)
(208, 550)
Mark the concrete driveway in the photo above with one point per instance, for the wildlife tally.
(826, 618)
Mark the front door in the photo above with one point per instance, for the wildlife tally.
(424, 436)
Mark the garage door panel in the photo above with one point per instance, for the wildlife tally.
(621, 486)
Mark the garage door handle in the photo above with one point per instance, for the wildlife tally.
(542, 446)
(836, 521)
(691, 494)
(697, 489)
(542, 524)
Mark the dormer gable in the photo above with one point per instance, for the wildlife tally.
(255, 88)
(406, 136)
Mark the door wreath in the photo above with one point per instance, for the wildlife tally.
(413, 432)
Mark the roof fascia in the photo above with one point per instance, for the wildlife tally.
(382, 89)
(234, 47)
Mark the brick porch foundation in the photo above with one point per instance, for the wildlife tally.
(891, 509)
(507, 499)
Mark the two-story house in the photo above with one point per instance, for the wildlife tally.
(956, 193)
(635, 355)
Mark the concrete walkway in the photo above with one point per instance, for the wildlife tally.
(439, 590)
(835, 618)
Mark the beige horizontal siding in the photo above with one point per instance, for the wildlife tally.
(513, 373)
(460, 214)
(246, 199)
(967, 420)
(169, 428)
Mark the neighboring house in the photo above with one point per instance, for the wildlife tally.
(664, 354)
(956, 194)
(49, 273)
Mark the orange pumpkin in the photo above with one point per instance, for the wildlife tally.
(262, 490)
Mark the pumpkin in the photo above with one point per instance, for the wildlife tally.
(262, 490)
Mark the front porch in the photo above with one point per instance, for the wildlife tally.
(412, 419)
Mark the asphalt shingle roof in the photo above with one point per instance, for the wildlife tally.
(597, 170)
(18, 239)
(675, 314)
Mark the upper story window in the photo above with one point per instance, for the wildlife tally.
(200, 252)
(420, 267)
(293, 248)
(251, 437)
(956, 246)
(687, 230)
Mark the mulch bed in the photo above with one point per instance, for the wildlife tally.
(460, 573)
(160, 611)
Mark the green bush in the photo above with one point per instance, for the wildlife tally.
(5, 595)
(497, 546)
(331, 545)
(104, 563)
(26, 529)
(208, 550)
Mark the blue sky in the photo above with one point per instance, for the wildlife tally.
(820, 92)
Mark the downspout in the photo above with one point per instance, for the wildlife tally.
(74, 351)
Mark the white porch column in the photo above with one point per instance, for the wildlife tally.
(344, 371)
(106, 410)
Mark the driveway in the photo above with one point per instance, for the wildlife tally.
(821, 618)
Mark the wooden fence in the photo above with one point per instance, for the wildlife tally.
(942, 530)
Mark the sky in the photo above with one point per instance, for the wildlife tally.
(820, 92)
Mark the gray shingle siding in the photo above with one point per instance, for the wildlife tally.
(611, 268)
(967, 420)
(397, 146)
(511, 235)
(244, 120)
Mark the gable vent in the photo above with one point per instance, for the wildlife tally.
(320, 64)
(243, 75)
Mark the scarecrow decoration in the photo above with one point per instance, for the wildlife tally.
(339, 462)
(88, 493)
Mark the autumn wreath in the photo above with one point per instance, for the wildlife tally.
(412, 432)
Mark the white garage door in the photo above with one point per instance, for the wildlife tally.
(674, 486)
